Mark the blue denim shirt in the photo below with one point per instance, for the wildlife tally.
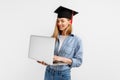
(72, 49)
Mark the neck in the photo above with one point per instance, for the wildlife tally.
(64, 33)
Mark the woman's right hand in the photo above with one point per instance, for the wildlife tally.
(42, 62)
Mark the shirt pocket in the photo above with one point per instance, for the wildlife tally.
(69, 50)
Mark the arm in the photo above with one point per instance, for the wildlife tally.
(77, 58)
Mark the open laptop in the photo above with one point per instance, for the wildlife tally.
(41, 48)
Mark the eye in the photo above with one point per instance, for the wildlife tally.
(58, 21)
(62, 20)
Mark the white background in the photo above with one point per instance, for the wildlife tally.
(97, 24)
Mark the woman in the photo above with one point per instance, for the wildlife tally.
(68, 47)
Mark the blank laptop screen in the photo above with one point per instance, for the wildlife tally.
(41, 48)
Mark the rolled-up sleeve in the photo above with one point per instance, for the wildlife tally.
(78, 55)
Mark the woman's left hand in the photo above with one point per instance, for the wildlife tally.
(57, 58)
(62, 59)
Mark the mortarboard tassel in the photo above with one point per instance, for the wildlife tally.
(71, 18)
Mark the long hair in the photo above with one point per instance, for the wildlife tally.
(56, 32)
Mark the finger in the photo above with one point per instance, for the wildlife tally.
(42, 62)
(39, 61)
(45, 63)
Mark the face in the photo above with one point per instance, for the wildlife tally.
(62, 23)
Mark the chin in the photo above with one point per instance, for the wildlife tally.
(61, 29)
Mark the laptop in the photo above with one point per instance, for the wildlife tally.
(41, 48)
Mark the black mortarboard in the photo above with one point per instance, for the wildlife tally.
(65, 12)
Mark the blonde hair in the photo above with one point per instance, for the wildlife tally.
(56, 32)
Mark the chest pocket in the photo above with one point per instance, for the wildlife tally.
(69, 50)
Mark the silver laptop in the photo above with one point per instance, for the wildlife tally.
(41, 48)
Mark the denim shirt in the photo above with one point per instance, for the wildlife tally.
(72, 49)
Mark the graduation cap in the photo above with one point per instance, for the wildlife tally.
(65, 13)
